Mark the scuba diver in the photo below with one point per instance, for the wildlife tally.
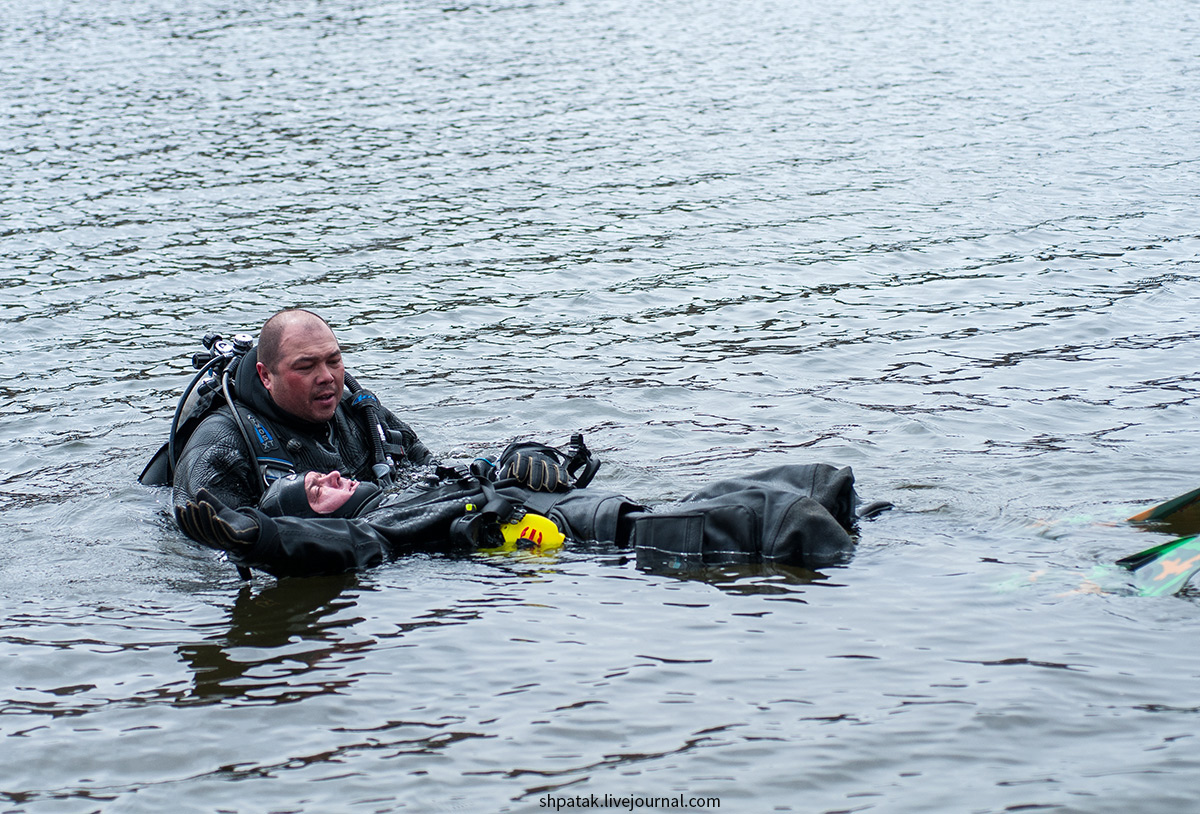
(254, 413)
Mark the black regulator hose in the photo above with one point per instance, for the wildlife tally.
(241, 425)
(171, 457)
(366, 401)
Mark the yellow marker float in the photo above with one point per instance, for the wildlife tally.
(529, 534)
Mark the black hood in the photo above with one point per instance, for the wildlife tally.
(287, 497)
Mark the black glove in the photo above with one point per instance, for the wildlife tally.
(212, 522)
(535, 466)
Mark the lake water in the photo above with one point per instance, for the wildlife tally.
(953, 245)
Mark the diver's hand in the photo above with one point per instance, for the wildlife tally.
(212, 522)
(537, 470)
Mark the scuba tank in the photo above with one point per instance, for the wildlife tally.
(216, 366)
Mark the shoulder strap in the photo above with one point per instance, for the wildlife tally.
(265, 450)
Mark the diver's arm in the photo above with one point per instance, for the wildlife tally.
(281, 546)
(303, 547)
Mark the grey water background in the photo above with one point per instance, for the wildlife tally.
(951, 245)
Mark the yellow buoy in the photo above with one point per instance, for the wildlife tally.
(531, 533)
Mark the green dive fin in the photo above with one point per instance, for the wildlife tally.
(1172, 507)
(1164, 569)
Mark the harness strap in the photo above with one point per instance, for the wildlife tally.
(542, 502)
(263, 445)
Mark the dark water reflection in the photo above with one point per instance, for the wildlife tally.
(950, 245)
(286, 631)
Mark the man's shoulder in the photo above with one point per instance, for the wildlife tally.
(217, 432)
(219, 420)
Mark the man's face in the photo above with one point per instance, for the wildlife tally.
(308, 380)
(328, 492)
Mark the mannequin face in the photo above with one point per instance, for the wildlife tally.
(328, 492)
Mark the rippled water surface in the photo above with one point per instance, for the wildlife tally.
(951, 245)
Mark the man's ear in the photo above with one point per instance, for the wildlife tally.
(264, 375)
